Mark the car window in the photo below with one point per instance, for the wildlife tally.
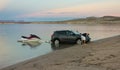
(70, 33)
(61, 32)
(76, 32)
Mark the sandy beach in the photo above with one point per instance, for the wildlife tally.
(98, 55)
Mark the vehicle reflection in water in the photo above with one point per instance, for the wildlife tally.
(61, 46)
(53, 46)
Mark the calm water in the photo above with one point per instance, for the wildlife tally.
(12, 52)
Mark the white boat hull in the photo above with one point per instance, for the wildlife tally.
(24, 40)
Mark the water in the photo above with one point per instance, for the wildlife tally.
(12, 52)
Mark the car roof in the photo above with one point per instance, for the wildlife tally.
(62, 30)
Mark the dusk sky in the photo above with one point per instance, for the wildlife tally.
(53, 10)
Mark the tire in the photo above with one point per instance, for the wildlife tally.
(78, 41)
(56, 42)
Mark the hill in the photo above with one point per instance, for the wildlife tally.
(95, 20)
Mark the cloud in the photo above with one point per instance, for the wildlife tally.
(3, 4)
(91, 9)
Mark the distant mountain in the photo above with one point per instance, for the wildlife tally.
(104, 18)
(110, 18)
(87, 20)
(95, 20)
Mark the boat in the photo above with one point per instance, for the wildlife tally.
(31, 38)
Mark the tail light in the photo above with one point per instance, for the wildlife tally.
(52, 35)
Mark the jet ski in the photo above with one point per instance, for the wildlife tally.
(31, 38)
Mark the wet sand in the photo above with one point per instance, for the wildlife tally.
(102, 54)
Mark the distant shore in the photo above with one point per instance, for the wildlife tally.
(66, 22)
(87, 20)
(98, 55)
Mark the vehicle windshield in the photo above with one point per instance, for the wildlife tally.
(76, 32)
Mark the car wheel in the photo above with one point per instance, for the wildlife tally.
(78, 42)
(56, 42)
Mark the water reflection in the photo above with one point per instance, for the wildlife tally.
(61, 46)
(31, 44)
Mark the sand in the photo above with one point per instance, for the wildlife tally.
(102, 54)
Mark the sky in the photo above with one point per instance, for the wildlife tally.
(56, 10)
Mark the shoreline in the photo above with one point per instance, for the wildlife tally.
(90, 23)
(87, 20)
(101, 54)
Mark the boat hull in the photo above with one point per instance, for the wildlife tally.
(23, 40)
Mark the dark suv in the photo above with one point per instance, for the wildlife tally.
(64, 36)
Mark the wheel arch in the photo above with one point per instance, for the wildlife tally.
(56, 39)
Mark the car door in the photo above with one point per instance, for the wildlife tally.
(71, 37)
(63, 36)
